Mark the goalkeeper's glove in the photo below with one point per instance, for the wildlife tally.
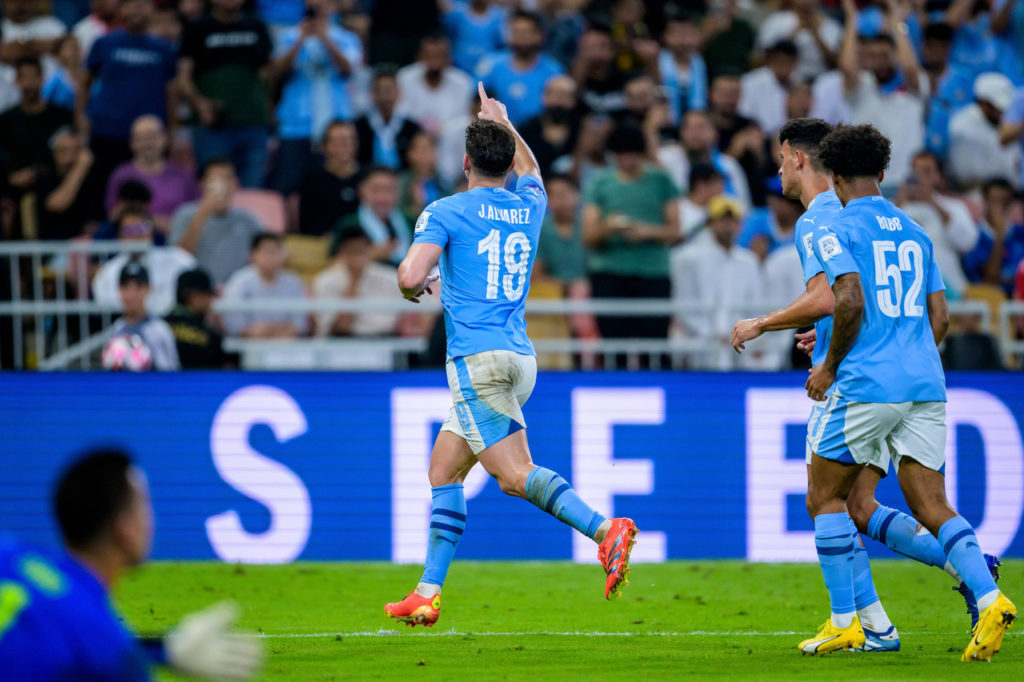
(203, 645)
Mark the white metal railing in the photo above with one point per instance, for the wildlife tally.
(50, 282)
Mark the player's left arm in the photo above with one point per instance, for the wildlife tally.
(938, 310)
(846, 321)
(414, 278)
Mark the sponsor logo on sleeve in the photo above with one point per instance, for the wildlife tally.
(421, 223)
(829, 246)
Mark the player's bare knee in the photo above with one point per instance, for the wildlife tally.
(860, 510)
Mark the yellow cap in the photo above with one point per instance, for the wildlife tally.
(723, 205)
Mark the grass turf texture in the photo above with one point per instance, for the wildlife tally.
(753, 614)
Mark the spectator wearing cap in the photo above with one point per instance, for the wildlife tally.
(222, 57)
(68, 201)
(705, 183)
(27, 128)
(763, 91)
(330, 192)
(816, 35)
(313, 61)
(553, 133)
(218, 235)
(128, 74)
(170, 185)
(355, 275)
(133, 289)
(477, 28)
(384, 132)
(163, 263)
(265, 279)
(952, 89)
(630, 217)
(723, 277)
(944, 216)
(433, 91)
(560, 251)
(681, 68)
(767, 229)
(380, 217)
(517, 76)
(976, 152)
(200, 346)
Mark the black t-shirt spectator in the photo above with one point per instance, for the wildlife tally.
(199, 346)
(604, 95)
(324, 198)
(366, 145)
(227, 61)
(25, 138)
(546, 153)
(86, 208)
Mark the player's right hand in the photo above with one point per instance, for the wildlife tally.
(205, 646)
(744, 331)
(490, 108)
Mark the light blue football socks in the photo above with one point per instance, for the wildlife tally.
(447, 521)
(834, 540)
(553, 494)
(869, 607)
(899, 532)
(961, 547)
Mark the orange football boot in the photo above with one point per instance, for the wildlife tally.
(415, 610)
(613, 553)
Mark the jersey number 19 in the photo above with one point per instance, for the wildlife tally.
(517, 263)
(889, 277)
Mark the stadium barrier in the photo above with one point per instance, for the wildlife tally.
(49, 322)
(273, 467)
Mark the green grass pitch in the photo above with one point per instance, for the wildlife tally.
(536, 621)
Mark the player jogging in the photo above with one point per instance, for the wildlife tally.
(804, 178)
(486, 240)
(889, 315)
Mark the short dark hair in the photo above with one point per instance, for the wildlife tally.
(491, 148)
(995, 183)
(855, 151)
(214, 163)
(703, 172)
(258, 240)
(878, 38)
(626, 138)
(385, 70)
(338, 123)
(806, 135)
(347, 235)
(935, 158)
(90, 494)
(134, 191)
(527, 15)
(939, 30)
(563, 177)
(28, 60)
(783, 47)
(377, 170)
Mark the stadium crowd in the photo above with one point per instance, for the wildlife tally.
(285, 148)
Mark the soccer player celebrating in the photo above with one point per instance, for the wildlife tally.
(486, 241)
(56, 620)
(889, 315)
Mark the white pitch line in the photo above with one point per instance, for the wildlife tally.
(450, 633)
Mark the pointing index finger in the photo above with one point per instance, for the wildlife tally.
(480, 89)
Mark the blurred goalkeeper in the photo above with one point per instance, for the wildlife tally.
(56, 619)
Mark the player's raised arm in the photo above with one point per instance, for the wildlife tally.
(524, 163)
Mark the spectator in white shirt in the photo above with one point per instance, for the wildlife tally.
(763, 91)
(945, 218)
(722, 277)
(265, 279)
(354, 275)
(817, 36)
(25, 33)
(96, 25)
(976, 152)
(164, 263)
(783, 282)
(434, 91)
(884, 85)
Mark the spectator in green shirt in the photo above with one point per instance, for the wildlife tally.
(560, 252)
(630, 217)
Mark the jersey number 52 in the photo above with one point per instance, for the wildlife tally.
(517, 263)
(889, 277)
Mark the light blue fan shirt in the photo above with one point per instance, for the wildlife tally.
(489, 235)
(822, 209)
(894, 358)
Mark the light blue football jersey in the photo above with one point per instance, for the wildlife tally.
(822, 209)
(489, 235)
(894, 358)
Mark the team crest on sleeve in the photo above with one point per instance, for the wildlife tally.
(809, 245)
(421, 222)
(829, 246)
